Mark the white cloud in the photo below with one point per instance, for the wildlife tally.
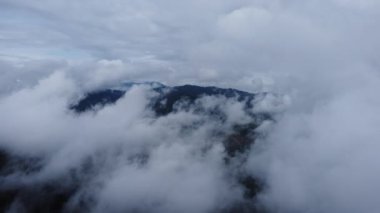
(319, 57)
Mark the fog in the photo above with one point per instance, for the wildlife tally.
(316, 60)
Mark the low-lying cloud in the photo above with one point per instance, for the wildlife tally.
(316, 61)
(120, 157)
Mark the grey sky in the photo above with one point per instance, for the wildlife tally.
(320, 56)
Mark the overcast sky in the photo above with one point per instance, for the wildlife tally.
(320, 56)
(217, 41)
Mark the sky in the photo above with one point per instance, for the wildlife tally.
(319, 56)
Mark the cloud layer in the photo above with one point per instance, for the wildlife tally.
(321, 56)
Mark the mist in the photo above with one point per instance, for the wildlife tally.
(313, 64)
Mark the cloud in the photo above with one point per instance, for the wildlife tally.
(169, 184)
(317, 61)
(324, 160)
(121, 157)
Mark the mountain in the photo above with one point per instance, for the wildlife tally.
(236, 136)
